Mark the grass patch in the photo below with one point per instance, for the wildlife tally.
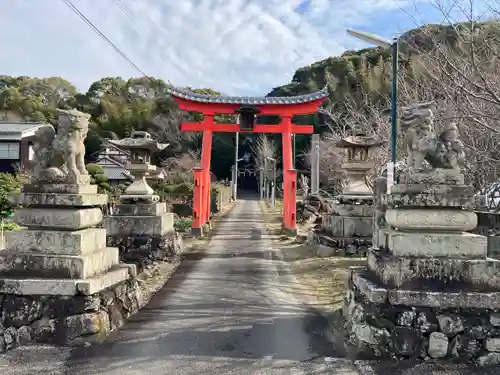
(321, 280)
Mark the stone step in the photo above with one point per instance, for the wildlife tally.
(58, 218)
(55, 242)
(64, 287)
(58, 199)
(348, 226)
(139, 225)
(399, 272)
(15, 264)
(378, 293)
(435, 244)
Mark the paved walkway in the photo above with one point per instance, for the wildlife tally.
(226, 313)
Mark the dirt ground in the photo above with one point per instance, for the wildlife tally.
(193, 245)
(321, 280)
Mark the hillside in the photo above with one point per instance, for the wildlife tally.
(117, 106)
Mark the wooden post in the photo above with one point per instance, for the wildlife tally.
(286, 123)
(206, 153)
(198, 213)
(291, 227)
(315, 164)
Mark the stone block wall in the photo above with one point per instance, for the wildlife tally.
(145, 251)
(66, 320)
(381, 330)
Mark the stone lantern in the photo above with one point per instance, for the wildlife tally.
(141, 145)
(359, 149)
(350, 225)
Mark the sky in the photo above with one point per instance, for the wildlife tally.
(237, 47)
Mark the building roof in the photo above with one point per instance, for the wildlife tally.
(115, 170)
(252, 100)
(18, 130)
(117, 173)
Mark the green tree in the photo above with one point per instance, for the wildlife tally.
(99, 178)
(8, 184)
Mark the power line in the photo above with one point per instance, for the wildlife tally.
(130, 15)
(134, 20)
(93, 27)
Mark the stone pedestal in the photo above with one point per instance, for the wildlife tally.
(53, 272)
(351, 222)
(350, 225)
(430, 290)
(144, 233)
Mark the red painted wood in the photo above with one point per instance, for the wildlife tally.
(286, 128)
(265, 109)
(197, 200)
(234, 128)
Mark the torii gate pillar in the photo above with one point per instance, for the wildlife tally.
(285, 107)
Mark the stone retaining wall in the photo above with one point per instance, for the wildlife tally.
(66, 320)
(74, 320)
(383, 330)
(144, 251)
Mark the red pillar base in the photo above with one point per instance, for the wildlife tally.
(198, 212)
(290, 209)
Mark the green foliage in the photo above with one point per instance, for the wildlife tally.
(182, 188)
(182, 225)
(118, 106)
(11, 226)
(98, 177)
(8, 184)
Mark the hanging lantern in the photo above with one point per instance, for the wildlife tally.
(247, 116)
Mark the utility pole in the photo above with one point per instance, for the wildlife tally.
(236, 149)
(273, 188)
(265, 177)
(315, 164)
(261, 183)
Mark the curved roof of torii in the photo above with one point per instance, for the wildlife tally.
(251, 100)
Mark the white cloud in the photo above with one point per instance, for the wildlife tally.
(234, 46)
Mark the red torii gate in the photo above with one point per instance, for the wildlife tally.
(247, 108)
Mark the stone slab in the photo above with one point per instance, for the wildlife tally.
(139, 225)
(433, 189)
(58, 218)
(138, 209)
(444, 300)
(371, 291)
(401, 272)
(60, 188)
(430, 245)
(59, 199)
(63, 287)
(437, 176)
(15, 264)
(56, 242)
(431, 219)
(343, 226)
(431, 199)
(426, 298)
(358, 210)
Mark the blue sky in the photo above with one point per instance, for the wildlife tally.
(239, 47)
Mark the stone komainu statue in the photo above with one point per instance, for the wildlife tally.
(444, 151)
(60, 157)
